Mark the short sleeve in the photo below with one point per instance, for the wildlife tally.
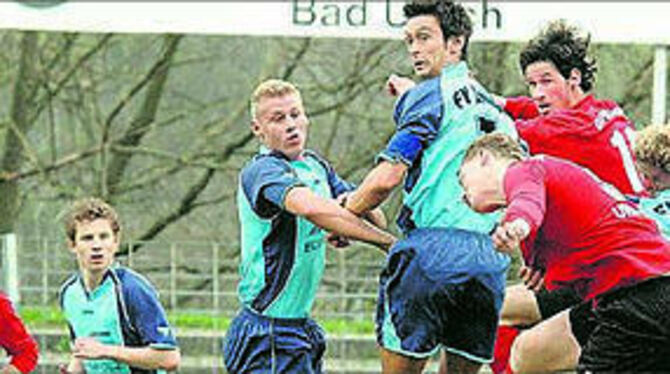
(418, 114)
(265, 183)
(146, 313)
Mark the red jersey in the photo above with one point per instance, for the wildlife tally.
(594, 133)
(15, 339)
(584, 233)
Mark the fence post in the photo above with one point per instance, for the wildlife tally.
(215, 276)
(45, 271)
(173, 276)
(10, 266)
(130, 254)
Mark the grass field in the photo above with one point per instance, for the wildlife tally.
(52, 317)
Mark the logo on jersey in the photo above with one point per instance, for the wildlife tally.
(164, 330)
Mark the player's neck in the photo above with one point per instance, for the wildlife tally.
(92, 279)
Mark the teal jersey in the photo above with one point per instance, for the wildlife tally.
(436, 122)
(123, 310)
(283, 255)
(658, 208)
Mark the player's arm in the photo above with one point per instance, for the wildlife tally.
(143, 357)
(327, 214)
(525, 193)
(376, 187)
(15, 339)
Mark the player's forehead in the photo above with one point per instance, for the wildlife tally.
(273, 105)
(540, 69)
(93, 227)
(423, 23)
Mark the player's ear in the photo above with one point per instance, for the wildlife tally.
(255, 127)
(575, 78)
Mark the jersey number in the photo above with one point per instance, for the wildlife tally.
(618, 140)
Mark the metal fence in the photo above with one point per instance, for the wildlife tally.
(200, 276)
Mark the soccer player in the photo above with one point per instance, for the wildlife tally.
(652, 148)
(15, 340)
(286, 198)
(602, 247)
(561, 118)
(116, 322)
(442, 286)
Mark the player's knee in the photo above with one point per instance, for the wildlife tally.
(519, 308)
(523, 350)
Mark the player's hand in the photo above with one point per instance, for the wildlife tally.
(508, 235)
(532, 278)
(397, 85)
(89, 348)
(499, 100)
(337, 241)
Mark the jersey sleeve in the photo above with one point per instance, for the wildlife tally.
(521, 107)
(418, 114)
(265, 183)
(14, 338)
(147, 315)
(525, 192)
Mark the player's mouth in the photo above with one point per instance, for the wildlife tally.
(293, 138)
(419, 65)
(544, 108)
(97, 257)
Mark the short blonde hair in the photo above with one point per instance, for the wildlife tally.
(652, 146)
(87, 210)
(271, 88)
(499, 144)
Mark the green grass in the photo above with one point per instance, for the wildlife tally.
(51, 317)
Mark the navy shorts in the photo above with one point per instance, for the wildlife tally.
(259, 344)
(441, 288)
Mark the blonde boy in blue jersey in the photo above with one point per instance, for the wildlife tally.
(117, 324)
(286, 199)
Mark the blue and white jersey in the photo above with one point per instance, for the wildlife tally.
(658, 208)
(283, 255)
(436, 122)
(123, 310)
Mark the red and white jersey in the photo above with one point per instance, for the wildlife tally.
(584, 233)
(595, 134)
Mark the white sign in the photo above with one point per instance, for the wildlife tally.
(615, 22)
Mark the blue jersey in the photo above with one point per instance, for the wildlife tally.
(436, 122)
(123, 310)
(658, 208)
(283, 255)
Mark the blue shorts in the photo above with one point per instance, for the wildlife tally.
(259, 344)
(441, 288)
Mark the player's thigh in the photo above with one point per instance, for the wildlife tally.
(396, 363)
(548, 346)
(451, 363)
(519, 307)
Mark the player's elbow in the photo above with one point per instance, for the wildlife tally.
(388, 180)
(171, 360)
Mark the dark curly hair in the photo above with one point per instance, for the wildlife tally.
(454, 19)
(562, 45)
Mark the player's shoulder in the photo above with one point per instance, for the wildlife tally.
(263, 162)
(425, 92)
(131, 281)
(314, 155)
